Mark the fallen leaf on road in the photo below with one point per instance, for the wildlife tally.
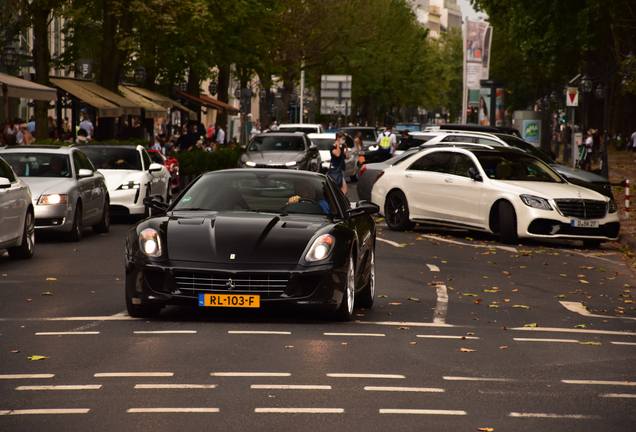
(485, 277)
(29, 300)
(413, 343)
(563, 275)
(506, 272)
(51, 279)
(382, 296)
(506, 300)
(37, 357)
(414, 299)
(469, 334)
(504, 328)
(503, 347)
(559, 296)
(514, 290)
(580, 326)
(477, 301)
(521, 306)
(395, 304)
(485, 429)
(47, 293)
(15, 351)
(469, 238)
(583, 281)
(491, 290)
(590, 343)
(467, 350)
(289, 346)
(531, 325)
(493, 306)
(602, 269)
(344, 343)
(468, 294)
(522, 267)
(403, 328)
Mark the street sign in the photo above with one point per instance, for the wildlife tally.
(335, 94)
(340, 108)
(572, 97)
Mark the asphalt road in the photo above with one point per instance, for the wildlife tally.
(447, 345)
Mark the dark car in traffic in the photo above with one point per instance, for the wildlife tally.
(253, 238)
(369, 138)
(282, 150)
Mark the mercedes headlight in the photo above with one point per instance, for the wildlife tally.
(612, 207)
(536, 202)
(320, 248)
(53, 199)
(250, 164)
(129, 185)
(150, 242)
(291, 164)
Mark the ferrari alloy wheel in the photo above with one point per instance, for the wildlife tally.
(345, 311)
(27, 247)
(396, 211)
(365, 298)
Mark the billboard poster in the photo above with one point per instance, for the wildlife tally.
(478, 36)
(484, 106)
(499, 107)
(531, 131)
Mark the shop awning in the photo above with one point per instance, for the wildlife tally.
(162, 100)
(151, 109)
(104, 107)
(20, 88)
(221, 106)
(128, 107)
(205, 100)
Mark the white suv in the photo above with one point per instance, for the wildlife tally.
(302, 127)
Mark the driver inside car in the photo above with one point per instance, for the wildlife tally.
(304, 189)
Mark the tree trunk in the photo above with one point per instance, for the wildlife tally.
(224, 85)
(41, 58)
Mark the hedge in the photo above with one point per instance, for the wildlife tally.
(199, 161)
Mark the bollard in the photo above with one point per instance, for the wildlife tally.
(626, 198)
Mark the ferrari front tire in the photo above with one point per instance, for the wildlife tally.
(366, 297)
(345, 311)
(141, 311)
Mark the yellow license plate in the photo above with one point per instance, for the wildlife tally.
(229, 300)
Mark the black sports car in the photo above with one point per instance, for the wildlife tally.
(253, 238)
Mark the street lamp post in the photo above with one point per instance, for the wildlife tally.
(9, 60)
(213, 88)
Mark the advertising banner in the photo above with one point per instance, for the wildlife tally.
(477, 59)
(499, 107)
(484, 106)
(531, 131)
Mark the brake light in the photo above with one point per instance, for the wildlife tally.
(363, 168)
(379, 175)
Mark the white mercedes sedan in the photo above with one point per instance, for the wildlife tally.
(492, 189)
(17, 227)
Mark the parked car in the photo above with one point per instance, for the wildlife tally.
(130, 176)
(68, 193)
(172, 164)
(17, 227)
(253, 238)
(496, 190)
(369, 138)
(301, 127)
(284, 150)
(324, 143)
(579, 177)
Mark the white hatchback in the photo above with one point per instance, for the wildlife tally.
(17, 221)
(492, 189)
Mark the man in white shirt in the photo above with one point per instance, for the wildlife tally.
(87, 126)
(387, 146)
(256, 129)
(220, 134)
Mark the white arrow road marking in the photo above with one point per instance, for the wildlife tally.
(578, 308)
(392, 243)
(433, 268)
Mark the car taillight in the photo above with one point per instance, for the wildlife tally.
(363, 168)
(379, 175)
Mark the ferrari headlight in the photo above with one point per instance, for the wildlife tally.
(150, 242)
(612, 207)
(536, 202)
(129, 185)
(250, 164)
(291, 164)
(53, 199)
(320, 248)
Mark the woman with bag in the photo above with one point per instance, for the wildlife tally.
(339, 154)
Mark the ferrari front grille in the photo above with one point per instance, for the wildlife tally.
(582, 209)
(263, 284)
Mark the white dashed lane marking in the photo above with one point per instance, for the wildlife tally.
(27, 376)
(624, 343)
(175, 386)
(571, 330)
(441, 308)
(421, 411)
(454, 378)
(173, 410)
(551, 416)
(580, 309)
(446, 337)
(300, 410)
(619, 395)
(250, 374)
(544, 340)
(405, 389)
(354, 334)
(65, 333)
(61, 387)
(392, 243)
(290, 387)
(46, 411)
(593, 382)
(167, 332)
(132, 374)
(354, 375)
(259, 332)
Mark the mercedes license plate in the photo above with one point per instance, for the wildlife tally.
(585, 223)
(229, 300)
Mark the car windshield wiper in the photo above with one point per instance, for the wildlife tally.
(256, 210)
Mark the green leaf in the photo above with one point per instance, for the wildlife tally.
(47, 293)
(382, 296)
(583, 281)
(469, 294)
(521, 306)
(469, 238)
(559, 296)
(414, 299)
(580, 326)
(602, 269)
(562, 275)
(491, 291)
(532, 325)
(493, 306)
(485, 277)
(37, 357)
(590, 343)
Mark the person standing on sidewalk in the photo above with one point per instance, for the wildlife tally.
(387, 143)
(339, 155)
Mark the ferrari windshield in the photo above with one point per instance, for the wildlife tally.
(32, 164)
(277, 143)
(516, 167)
(116, 158)
(261, 191)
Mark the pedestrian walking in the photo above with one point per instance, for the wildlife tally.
(220, 134)
(387, 143)
(339, 155)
